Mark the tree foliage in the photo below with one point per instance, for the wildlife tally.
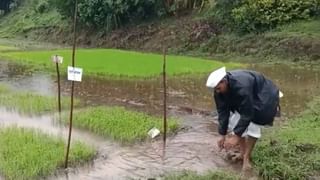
(111, 14)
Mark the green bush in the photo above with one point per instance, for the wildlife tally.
(261, 15)
(111, 14)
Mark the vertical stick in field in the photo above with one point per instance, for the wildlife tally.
(164, 101)
(72, 82)
(59, 94)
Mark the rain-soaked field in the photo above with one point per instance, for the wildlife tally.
(190, 146)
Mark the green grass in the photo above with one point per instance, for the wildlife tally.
(26, 17)
(30, 103)
(120, 63)
(189, 175)
(118, 123)
(293, 150)
(29, 154)
(297, 41)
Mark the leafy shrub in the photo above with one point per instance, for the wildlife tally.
(261, 15)
(113, 13)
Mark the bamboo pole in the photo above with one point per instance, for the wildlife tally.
(59, 89)
(164, 101)
(72, 82)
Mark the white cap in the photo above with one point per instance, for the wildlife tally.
(215, 77)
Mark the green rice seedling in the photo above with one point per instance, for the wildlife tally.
(31, 154)
(119, 63)
(119, 124)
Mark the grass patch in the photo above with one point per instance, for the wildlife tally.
(29, 154)
(292, 151)
(30, 103)
(298, 41)
(189, 175)
(118, 123)
(120, 63)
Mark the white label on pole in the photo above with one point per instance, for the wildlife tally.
(57, 59)
(74, 73)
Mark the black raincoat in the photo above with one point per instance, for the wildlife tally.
(255, 97)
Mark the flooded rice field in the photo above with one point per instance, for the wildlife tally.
(192, 148)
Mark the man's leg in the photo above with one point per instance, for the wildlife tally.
(249, 145)
(242, 147)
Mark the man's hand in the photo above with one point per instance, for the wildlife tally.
(232, 142)
(221, 142)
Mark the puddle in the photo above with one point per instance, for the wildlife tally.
(193, 148)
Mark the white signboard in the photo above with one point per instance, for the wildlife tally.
(74, 74)
(57, 59)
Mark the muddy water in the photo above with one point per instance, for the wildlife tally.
(189, 94)
(48, 124)
(193, 148)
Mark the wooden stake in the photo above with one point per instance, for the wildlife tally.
(164, 101)
(72, 82)
(59, 94)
